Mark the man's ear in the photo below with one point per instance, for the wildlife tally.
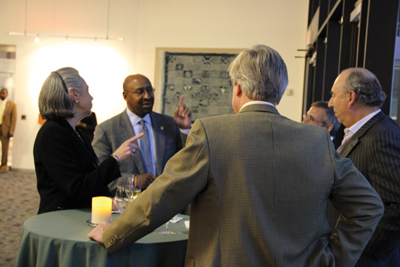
(125, 95)
(239, 91)
(352, 98)
(329, 127)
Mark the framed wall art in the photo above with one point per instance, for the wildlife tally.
(201, 75)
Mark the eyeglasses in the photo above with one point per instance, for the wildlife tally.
(140, 91)
(310, 118)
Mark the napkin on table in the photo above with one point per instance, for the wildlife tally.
(175, 219)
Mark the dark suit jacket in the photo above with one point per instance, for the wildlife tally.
(260, 185)
(336, 143)
(110, 135)
(9, 118)
(375, 151)
(67, 177)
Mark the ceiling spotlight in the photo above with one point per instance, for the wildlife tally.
(37, 40)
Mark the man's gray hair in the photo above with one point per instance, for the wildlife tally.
(366, 86)
(54, 100)
(329, 117)
(261, 73)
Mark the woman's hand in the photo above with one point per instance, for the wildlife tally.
(127, 149)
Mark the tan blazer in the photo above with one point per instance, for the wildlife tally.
(259, 185)
(9, 118)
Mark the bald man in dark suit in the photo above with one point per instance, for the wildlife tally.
(372, 142)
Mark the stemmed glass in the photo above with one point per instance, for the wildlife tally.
(136, 182)
(167, 231)
(123, 196)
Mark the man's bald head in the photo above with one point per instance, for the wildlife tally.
(138, 94)
(130, 78)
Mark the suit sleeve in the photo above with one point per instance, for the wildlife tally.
(360, 207)
(101, 144)
(184, 176)
(384, 176)
(64, 161)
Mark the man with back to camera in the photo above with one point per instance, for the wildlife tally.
(321, 115)
(8, 120)
(258, 192)
(164, 134)
(372, 142)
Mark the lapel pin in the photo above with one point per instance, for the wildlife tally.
(162, 128)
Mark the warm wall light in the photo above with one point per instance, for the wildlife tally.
(95, 41)
(37, 40)
(66, 40)
(83, 56)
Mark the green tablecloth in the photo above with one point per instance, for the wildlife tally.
(59, 239)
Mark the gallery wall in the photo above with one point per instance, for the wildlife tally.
(144, 25)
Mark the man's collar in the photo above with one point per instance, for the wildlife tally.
(135, 118)
(356, 126)
(262, 107)
(256, 102)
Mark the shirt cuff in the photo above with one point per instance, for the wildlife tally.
(184, 131)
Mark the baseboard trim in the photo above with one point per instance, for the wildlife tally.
(20, 170)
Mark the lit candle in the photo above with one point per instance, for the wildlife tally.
(101, 209)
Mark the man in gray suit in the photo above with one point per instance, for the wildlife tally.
(164, 134)
(258, 184)
(372, 142)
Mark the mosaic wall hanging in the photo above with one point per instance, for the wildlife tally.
(204, 80)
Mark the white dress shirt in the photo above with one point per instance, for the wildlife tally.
(257, 102)
(349, 132)
(4, 105)
(356, 126)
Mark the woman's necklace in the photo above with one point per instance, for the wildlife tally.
(79, 136)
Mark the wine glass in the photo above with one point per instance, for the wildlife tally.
(167, 231)
(136, 182)
(123, 196)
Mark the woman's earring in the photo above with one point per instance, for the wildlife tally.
(76, 101)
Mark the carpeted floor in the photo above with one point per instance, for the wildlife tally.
(19, 200)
